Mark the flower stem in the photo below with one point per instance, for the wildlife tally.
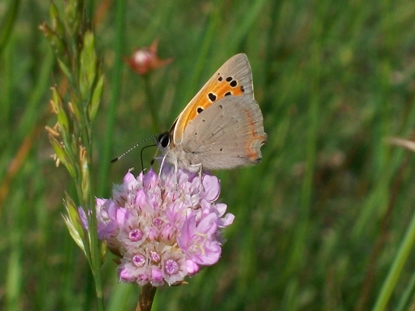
(150, 103)
(146, 298)
(395, 271)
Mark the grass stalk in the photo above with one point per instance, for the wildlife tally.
(116, 87)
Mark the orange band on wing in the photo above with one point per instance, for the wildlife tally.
(213, 91)
(254, 144)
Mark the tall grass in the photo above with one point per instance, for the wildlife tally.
(323, 223)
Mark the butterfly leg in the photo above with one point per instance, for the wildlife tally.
(175, 175)
(199, 168)
(161, 165)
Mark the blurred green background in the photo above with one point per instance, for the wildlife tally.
(319, 223)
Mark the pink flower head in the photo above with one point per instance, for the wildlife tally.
(144, 60)
(163, 227)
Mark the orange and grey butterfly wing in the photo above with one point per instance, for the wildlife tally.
(233, 78)
(227, 135)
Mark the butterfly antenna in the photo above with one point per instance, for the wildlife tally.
(133, 147)
(141, 155)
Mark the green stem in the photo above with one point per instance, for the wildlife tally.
(8, 22)
(208, 38)
(95, 255)
(393, 275)
(150, 103)
(300, 248)
(115, 95)
(404, 302)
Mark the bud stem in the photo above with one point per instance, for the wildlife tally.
(150, 103)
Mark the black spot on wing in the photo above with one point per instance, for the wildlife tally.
(212, 97)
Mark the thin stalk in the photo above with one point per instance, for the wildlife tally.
(300, 248)
(115, 95)
(7, 24)
(408, 293)
(397, 266)
(212, 27)
(151, 103)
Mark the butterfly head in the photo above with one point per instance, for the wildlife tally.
(163, 140)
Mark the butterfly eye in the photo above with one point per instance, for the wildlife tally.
(163, 140)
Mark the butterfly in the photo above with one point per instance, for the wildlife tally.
(221, 127)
